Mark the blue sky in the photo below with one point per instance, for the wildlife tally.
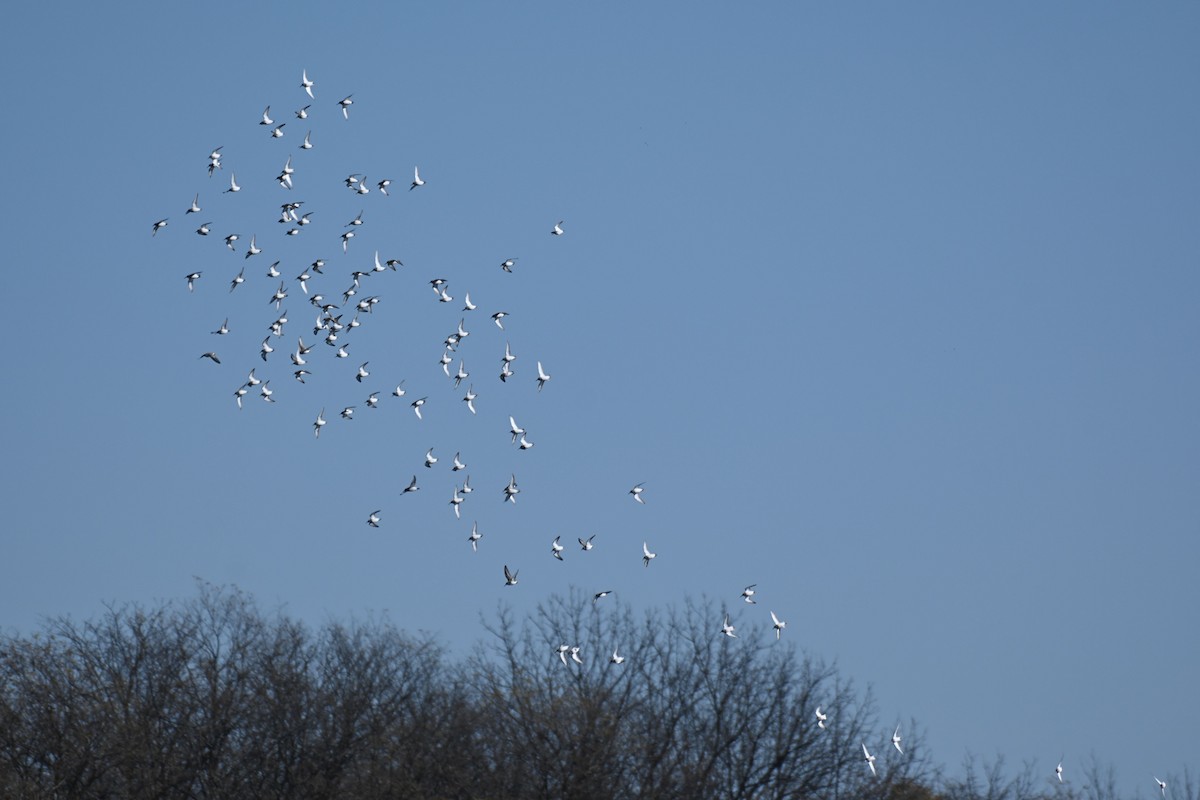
(892, 307)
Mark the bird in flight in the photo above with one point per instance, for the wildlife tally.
(511, 491)
(233, 184)
(474, 537)
(498, 316)
(556, 548)
(416, 179)
(345, 103)
(558, 229)
(211, 357)
(266, 117)
(728, 629)
(507, 264)
(430, 459)
(195, 207)
(636, 491)
(192, 277)
(542, 376)
(416, 406)
(779, 625)
(510, 577)
(1162, 786)
(647, 556)
(821, 718)
(1058, 771)
(748, 594)
(412, 486)
(470, 398)
(896, 744)
(306, 84)
(616, 659)
(162, 223)
(586, 544)
(373, 520)
(320, 423)
(870, 758)
(598, 596)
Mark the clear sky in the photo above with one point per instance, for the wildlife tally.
(892, 307)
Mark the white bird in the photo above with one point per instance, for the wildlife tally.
(505, 373)
(412, 486)
(239, 394)
(498, 316)
(192, 277)
(558, 229)
(278, 132)
(575, 655)
(211, 357)
(362, 372)
(416, 407)
(162, 223)
(224, 329)
(469, 306)
(307, 143)
(195, 205)
(458, 464)
(373, 400)
(430, 459)
(254, 248)
(1058, 772)
(303, 112)
(348, 412)
(586, 544)
(460, 375)
(445, 361)
(373, 520)
(647, 556)
(470, 398)
(821, 718)
(474, 537)
(251, 380)
(416, 179)
(517, 430)
(511, 491)
(508, 356)
(273, 270)
(542, 377)
(466, 487)
(748, 594)
(598, 596)
(231, 238)
(306, 84)
(456, 500)
(636, 491)
(399, 390)
(510, 577)
(266, 117)
(562, 653)
(320, 423)
(896, 744)
(300, 373)
(556, 548)
(1162, 786)
(728, 629)
(870, 758)
(345, 103)
(346, 237)
(203, 229)
(778, 624)
(233, 185)
(507, 264)
(382, 185)
(616, 659)
(265, 391)
(525, 443)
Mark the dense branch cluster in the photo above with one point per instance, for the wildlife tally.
(212, 698)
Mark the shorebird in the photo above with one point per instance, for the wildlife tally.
(416, 406)
(507, 264)
(728, 629)
(542, 377)
(1162, 786)
(778, 624)
(307, 144)
(416, 179)
(233, 185)
(373, 520)
(556, 548)
(412, 486)
(510, 577)
(474, 537)
(192, 277)
(469, 399)
(1058, 771)
(345, 103)
(195, 207)
(348, 412)
(306, 84)
(598, 596)
(647, 556)
(456, 501)
(558, 229)
(748, 594)
(458, 464)
(896, 744)
(211, 357)
(821, 718)
(320, 423)
(224, 329)
(636, 491)
(870, 758)
(616, 659)
(511, 491)
(430, 459)
(586, 544)
(266, 117)
(517, 430)
(162, 223)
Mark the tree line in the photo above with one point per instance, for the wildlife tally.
(211, 697)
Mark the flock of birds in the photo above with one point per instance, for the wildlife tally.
(334, 328)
